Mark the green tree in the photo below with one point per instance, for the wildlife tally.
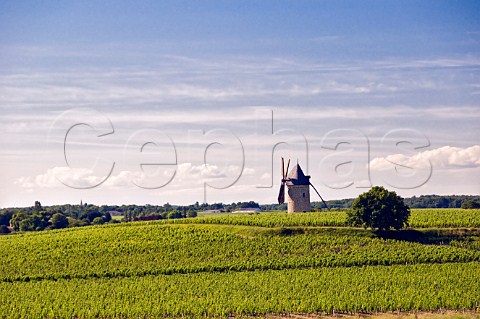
(17, 218)
(191, 213)
(98, 221)
(90, 213)
(5, 217)
(471, 204)
(32, 223)
(107, 217)
(59, 221)
(174, 214)
(73, 222)
(4, 229)
(167, 207)
(379, 208)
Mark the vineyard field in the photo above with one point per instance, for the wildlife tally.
(419, 218)
(350, 289)
(240, 264)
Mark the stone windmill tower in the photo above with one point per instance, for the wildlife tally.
(298, 189)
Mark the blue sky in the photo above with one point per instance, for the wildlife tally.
(168, 68)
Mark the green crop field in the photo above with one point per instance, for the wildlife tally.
(420, 218)
(243, 265)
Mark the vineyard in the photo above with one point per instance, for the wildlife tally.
(240, 264)
(420, 218)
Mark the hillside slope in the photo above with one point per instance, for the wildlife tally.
(234, 265)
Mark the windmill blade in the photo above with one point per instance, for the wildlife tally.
(281, 194)
(287, 169)
(320, 196)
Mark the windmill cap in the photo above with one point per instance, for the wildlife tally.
(297, 177)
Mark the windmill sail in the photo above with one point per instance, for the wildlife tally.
(324, 203)
(281, 193)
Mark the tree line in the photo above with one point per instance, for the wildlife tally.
(423, 201)
(37, 217)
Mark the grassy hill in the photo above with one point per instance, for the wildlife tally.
(269, 263)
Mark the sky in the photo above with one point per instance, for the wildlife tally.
(149, 102)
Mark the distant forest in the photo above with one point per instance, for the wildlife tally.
(424, 201)
(38, 218)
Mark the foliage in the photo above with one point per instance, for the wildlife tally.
(22, 221)
(191, 214)
(437, 201)
(471, 204)
(72, 222)
(59, 221)
(98, 221)
(38, 218)
(4, 229)
(379, 208)
(5, 216)
(423, 201)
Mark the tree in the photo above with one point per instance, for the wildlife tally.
(17, 218)
(4, 229)
(191, 213)
(174, 214)
(107, 217)
(5, 217)
(98, 221)
(470, 204)
(73, 222)
(379, 208)
(59, 221)
(32, 223)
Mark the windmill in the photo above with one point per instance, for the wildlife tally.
(298, 185)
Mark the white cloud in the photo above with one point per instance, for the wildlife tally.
(124, 179)
(183, 78)
(452, 157)
(247, 171)
(185, 174)
(76, 178)
(446, 157)
(188, 170)
(266, 176)
(24, 182)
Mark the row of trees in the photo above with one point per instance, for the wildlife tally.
(38, 218)
(139, 214)
(167, 211)
(436, 201)
(424, 201)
